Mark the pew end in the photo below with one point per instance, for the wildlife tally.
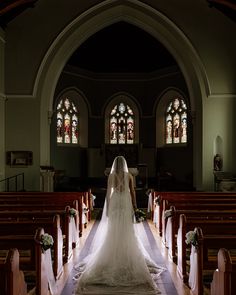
(12, 281)
(41, 265)
(224, 277)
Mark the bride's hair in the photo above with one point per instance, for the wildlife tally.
(119, 165)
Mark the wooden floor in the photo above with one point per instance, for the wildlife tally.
(171, 283)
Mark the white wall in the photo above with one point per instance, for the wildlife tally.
(22, 123)
(219, 120)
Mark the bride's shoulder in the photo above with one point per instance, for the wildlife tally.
(129, 175)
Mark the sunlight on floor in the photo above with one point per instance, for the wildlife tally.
(181, 288)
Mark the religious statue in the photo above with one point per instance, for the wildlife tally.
(217, 162)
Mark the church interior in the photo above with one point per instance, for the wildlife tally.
(154, 81)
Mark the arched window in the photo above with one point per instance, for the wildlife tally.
(176, 122)
(67, 122)
(122, 124)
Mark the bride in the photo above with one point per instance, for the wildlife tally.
(118, 263)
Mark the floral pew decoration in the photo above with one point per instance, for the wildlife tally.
(139, 216)
(191, 238)
(168, 213)
(75, 235)
(167, 227)
(46, 242)
(93, 198)
(157, 201)
(195, 281)
(85, 210)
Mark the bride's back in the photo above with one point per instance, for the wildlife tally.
(120, 182)
(119, 175)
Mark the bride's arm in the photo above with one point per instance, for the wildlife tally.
(132, 192)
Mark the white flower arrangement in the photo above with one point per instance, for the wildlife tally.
(85, 208)
(191, 238)
(46, 242)
(93, 197)
(168, 213)
(72, 212)
(157, 200)
(140, 215)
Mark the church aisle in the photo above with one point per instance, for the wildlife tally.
(169, 283)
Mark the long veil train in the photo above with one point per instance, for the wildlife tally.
(118, 262)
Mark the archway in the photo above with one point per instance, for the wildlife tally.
(151, 21)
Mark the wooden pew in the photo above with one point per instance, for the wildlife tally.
(71, 233)
(17, 201)
(201, 260)
(19, 235)
(60, 196)
(224, 277)
(170, 227)
(196, 205)
(159, 197)
(224, 228)
(33, 211)
(41, 267)
(12, 280)
(38, 265)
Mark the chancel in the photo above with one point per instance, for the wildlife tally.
(83, 82)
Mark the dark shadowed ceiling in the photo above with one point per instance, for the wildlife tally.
(9, 9)
(227, 7)
(122, 47)
(118, 48)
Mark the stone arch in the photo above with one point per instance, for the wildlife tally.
(95, 19)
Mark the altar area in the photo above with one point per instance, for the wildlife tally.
(132, 155)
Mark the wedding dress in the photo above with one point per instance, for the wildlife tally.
(118, 263)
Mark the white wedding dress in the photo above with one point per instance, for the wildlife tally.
(118, 263)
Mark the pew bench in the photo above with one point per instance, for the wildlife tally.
(20, 235)
(223, 228)
(158, 199)
(12, 281)
(224, 277)
(37, 267)
(203, 262)
(64, 198)
(171, 224)
(45, 206)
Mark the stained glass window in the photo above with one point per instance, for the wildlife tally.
(176, 122)
(122, 124)
(67, 122)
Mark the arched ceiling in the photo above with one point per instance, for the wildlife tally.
(122, 47)
(9, 9)
(228, 7)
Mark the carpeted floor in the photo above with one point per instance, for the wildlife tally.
(165, 283)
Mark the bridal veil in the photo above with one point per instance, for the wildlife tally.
(118, 262)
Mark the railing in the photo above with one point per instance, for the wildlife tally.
(13, 182)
